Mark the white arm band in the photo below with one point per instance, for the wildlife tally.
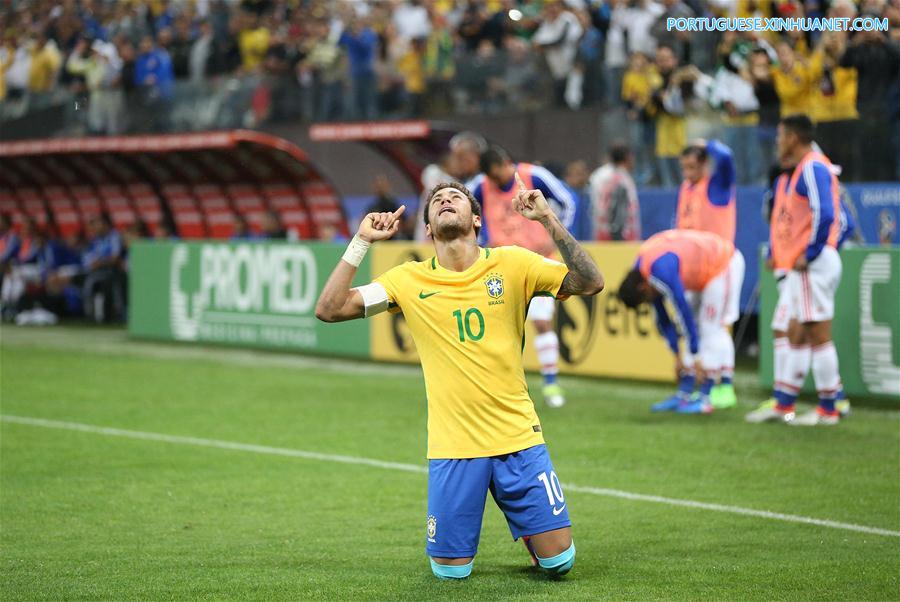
(374, 297)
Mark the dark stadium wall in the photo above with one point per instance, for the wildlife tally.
(41, 123)
(550, 137)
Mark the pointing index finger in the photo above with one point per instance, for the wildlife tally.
(520, 182)
(399, 211)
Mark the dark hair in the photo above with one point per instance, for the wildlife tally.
(628, 290)
(696, 151)
(103, 218)
(492, 157)
(619, 153)
(801, 125)
(668, 47)
(473, 202)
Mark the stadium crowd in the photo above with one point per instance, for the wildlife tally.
(163, 65)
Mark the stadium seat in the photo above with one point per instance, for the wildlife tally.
(62, 209)
(147, 204)
(33, 205)
(188, 219)
(286, 201)
(189, 223)
(324, 206)
(8, 202)
(216, 209)
(247, 199)
(87, 201)
(249, 202)
(117, 205)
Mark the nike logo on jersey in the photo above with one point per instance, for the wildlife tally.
(557, 512)
(424, 295)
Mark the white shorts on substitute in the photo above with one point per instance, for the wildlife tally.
(810, 293)
(541, 308)
(719, 304)
(781, 318)
(715, 308)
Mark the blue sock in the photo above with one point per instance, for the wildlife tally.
(706, 387)
(785, 400)
(550, 379)
(827, 404)
(686, 385)
(725, 380)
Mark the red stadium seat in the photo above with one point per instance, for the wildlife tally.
(216, 209)
(32, 204)
(188, 219)
(220, 224)
(68, 222)
(87, 201)
(179, 197)
(147, 205)
(117, 206)
(189, 223)
(298, 221)
(246, 198)
(8, 202)
(62, 208)
(324, 206)
(286, 201)
(249, 202)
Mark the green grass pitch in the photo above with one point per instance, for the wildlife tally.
(89, 516)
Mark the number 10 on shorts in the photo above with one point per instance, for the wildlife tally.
(554, 491)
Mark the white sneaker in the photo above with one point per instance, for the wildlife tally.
(816, 417)
(768, 411)
(553, 396)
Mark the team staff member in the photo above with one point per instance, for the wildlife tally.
(706, 201)
(804, 234)
(495, 188)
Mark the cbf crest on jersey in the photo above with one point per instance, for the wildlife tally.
(494, 284)
(431, 527)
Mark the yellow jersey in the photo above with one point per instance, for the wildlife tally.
(841, 103)
(469, 330)
(794, 88)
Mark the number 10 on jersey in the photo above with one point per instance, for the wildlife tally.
(464, 324)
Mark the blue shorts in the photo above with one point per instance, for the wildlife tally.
(523, 484)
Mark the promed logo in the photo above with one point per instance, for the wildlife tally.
(247, 292)
(879, 371)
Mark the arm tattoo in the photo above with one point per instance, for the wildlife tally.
(584, 276)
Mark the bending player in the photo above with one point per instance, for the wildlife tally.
(693, 271)
(808, 223)
(706, 201)
(494, 189)
(465, 308)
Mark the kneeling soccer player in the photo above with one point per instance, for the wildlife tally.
(696, 272)
(465, 308)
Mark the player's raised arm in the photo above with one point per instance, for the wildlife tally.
(338, 302)
(584, 277)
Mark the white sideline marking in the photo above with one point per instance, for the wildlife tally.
(307, 455)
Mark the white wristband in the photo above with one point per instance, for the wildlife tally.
(356, 250)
